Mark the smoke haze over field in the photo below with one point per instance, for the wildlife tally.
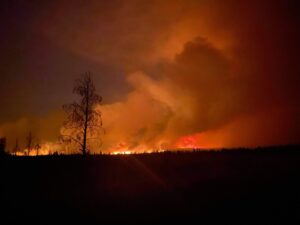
(171, 73)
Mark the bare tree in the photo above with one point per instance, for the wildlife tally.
(17, 147)
(37, 147)
(29, 144)
(83, 120)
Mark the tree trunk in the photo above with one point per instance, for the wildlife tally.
(84, 139)
(86, 122)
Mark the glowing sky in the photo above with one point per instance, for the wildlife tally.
(174, 72)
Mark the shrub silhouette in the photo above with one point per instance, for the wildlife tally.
(2, 146)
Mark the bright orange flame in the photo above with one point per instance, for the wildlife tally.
(190, 141)
(46, 149)
(122, 153)
(33, 152)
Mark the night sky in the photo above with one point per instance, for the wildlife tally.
(176, 73)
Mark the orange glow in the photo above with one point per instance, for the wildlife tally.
(194, 75)
(190, 141)
(33, 152)
(122, 153)
(46, 149)
(20, 153)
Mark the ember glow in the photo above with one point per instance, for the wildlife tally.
(184, 74)
(122, 153)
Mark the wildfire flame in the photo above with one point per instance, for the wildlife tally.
(188, 142)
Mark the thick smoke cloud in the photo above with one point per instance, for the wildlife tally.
(194, 93)
(198, 96)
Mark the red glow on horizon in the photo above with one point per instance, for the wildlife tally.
(189, 141)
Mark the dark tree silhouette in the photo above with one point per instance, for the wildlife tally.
(2, 146)
(29, 142)
(83, 119)
(37, 147)
(17, 147)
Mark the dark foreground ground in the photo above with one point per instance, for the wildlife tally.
(229, 187)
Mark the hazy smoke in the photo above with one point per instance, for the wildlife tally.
(201, 73)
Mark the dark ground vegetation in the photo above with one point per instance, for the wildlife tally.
(239, 186)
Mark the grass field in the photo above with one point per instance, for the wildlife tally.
(241, 186)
